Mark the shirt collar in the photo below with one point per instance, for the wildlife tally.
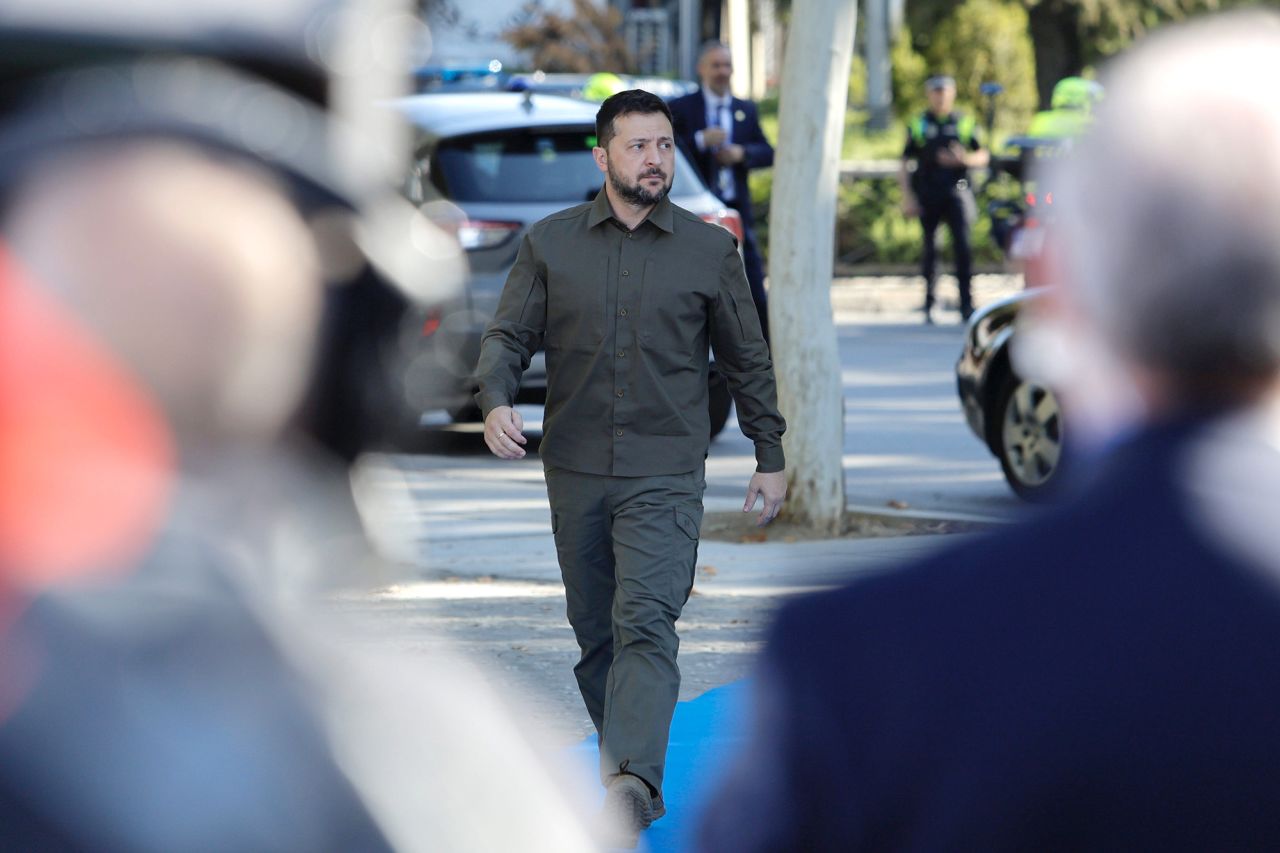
(661, 216)
(716, 101)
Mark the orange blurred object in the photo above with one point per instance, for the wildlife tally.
(86, 458)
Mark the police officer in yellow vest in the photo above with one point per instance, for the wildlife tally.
(944, 145)
(1071, 109)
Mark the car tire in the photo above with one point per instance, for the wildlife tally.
(1028, 437)
(719, 401)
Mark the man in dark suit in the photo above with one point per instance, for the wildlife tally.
(721, 135)
(1104, 677)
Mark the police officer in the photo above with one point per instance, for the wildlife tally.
(944, 145)
(1070, 112)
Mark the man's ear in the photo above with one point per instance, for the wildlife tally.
(602, 158)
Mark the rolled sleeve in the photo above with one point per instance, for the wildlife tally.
(515, 334)
(743, 357)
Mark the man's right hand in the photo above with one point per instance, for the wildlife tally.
(713, 137)
(910, 207)
(502, 432)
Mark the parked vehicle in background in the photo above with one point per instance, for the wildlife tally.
(487, 166)
(572, 85)
(1020, 421)
(1021, 225)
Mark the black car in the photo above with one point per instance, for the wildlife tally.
(1019, 420)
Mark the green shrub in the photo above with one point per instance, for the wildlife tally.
(982, 41)
(909, 72)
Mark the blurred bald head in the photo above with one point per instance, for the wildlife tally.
(1171, 210)
(196, 272)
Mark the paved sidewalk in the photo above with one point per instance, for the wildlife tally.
(898, 299)
(480, 574)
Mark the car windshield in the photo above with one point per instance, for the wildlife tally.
(529, 165)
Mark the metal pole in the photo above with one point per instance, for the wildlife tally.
(690, 11)
(879, 71)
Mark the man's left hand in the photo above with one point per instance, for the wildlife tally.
(731, 154)
(773, 488)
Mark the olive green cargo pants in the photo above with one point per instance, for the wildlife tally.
(627, 548)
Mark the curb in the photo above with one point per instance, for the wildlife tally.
(732, 505)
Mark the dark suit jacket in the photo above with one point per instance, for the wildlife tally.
(690, 116)
(1104, 678)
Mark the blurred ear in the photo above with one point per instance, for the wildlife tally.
(602, 158)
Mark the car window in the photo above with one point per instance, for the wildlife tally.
(528, 165)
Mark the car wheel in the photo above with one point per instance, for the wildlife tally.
(719, 401)
(1028, 441)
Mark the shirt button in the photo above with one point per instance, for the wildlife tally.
(621, 354)
(620, 393)
(624, 272)
(619, 432)
(622, 312)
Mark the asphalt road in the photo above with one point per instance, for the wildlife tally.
(471, 533)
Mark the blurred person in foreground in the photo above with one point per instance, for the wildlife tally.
(627, 293)
(162, 304)
(1104, 676)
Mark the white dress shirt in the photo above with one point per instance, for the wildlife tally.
(720, 114)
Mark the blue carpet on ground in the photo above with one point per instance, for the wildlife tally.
(705, 733)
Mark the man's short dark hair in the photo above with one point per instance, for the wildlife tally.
(710, 45)
(623, 103)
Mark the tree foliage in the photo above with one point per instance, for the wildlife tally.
(586, 40)
(1069, 36)
(982, 41)
(909, 73)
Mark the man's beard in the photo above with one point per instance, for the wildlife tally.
(636, 193)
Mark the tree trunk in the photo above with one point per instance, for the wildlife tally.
(1055, 38)
(815, 80)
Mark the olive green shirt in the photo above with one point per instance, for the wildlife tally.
(626, 318)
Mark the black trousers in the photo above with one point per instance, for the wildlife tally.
(755, 270)
(957, 209)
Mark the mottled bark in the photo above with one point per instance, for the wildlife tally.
(815, 79)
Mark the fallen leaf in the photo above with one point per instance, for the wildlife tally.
(761, 536)
(708, 570)
(898, 505)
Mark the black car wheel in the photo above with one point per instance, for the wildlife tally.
(1028, 439)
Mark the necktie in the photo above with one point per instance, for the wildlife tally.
(725, 177)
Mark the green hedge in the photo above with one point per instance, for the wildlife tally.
(870, 226)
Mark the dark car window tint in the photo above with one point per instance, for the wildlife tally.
(527, 166)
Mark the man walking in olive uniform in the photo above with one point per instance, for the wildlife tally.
(945, 146)
(625, 294)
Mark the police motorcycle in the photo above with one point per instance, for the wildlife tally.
(1019, 225)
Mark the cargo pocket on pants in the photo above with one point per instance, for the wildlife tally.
(686, 551)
